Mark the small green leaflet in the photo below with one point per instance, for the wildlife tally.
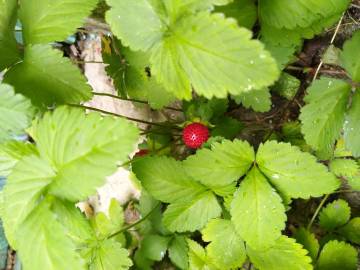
(350, 57)
(11, 153)
(284, 255)
(154, 247)
(351, 230)
(16, 113)
(337, 255)
(178, 252)
(257, 211)
(323, 116)
(352, 125)
(299, 13)
(184, 58)
(344, 167)
(197, 257)
(287, 86)
(259, 100)
(308, 240)
(191, 215)
(48, 238)
(334, 215)
(47, 78)
(9, 53)
(226, 249)
(224, 164)
(294, 173)
(43, 20)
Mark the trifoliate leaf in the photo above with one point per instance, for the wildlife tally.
(48, 238)
(295, 173)
(258, 100)
(10, 154)
(324, 114)
(334, 215)
(16, 113)
(191, 214)
(178, 252)
(244, 11)
(299, 13)
(344, 167)
(227, 249)
(154, 246)
(352, 125)
(350, 55)
(337, 255)
(257, 211)
(309, 242)
(284, 255)
(72, 142)
(22, 192)
(166, 179)
(351, 231)
(184, 58)
(53, 79)
(43, 20)
(287, 86)
(110, 255)
(197, 257)
(9, 53)
(224, 164)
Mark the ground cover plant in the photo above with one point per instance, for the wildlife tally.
(262, 171)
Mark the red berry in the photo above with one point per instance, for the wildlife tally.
(195, 134)
(141, 153)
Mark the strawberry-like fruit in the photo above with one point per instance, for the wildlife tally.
(195, 134)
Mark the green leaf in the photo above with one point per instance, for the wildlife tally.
(9, 53)
(344, 167)
(43, 20)
(308, 240)
(16, 113)
(299, 13)
(324, 114)
(110, 255)
(48, 238)
(244, 11)
(295, 173)
(197, 257)
(106, 224)
(191, 214)
(350, 55)
(354, 182)
(226, 250)
(284, 255)
(154, 246)
(257, 211)
(47, 78)
(331, 56)
(287, 86)
(11, 153)
(193, 59)
(224, 164)
(352, 125)
(184, 57)
(22, 192)
(72, 142)
(337, 255)
(334, 215)
(166, 179)
(227, 127)
(178, 252)
(258, 100)
(351, 231)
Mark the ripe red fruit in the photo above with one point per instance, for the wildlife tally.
(195, 134)
(141, 153)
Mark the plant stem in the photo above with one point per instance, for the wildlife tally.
(118, 115)
(131, 100)
(317, 211)
(135, 223)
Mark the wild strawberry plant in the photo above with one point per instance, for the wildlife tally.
(211, 198)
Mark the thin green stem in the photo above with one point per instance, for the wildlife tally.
(317, 211)
(135, 223)
(118, 115)
(131, 100)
